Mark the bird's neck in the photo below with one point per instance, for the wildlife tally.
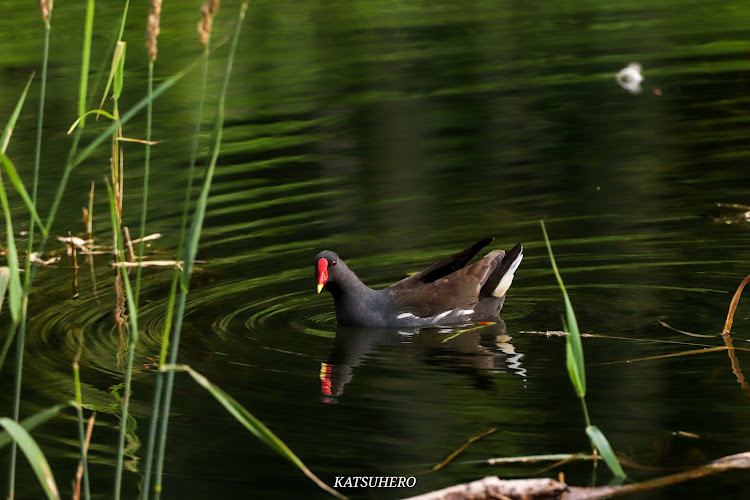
(349, 286)
(355, 301)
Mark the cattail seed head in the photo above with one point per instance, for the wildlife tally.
(45, 6)
(209, 9)
(153, 28)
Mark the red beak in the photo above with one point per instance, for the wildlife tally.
(322, 273)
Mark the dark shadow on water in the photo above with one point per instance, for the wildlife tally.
(474, 350)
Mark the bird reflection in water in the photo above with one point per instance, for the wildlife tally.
(474, 350)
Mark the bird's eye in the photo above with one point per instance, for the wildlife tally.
(333, 263)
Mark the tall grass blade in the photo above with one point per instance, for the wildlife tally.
(40, 121)
(576, 369)
(191, 243)
(244, 417)
(573, 345)
(90, 112)
(7, 164)
(107, 133)
(34, 455)
(15, 290)
(4, 280)
(146, 177)
(132, 341)
(117, 63)
(601, 443)
(158, 390)
(10, 169)
(82, 441)
(32, 422)
(85, 59)
(18, 328)
(8, 132)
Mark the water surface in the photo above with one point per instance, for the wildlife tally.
(395, 134)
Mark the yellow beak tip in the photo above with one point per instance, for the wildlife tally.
(320, 287)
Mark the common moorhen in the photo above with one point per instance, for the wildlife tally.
(445, 293)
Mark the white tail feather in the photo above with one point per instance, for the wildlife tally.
(502, 287)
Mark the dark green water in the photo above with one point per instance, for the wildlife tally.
(396, 133)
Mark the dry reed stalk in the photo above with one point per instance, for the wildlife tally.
(129, 243)
(86, 218)
(90, 214)
(79, 471)
(153, 28)
(733, 306)
(209, 9)
(725, 334)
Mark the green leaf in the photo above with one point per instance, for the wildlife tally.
(34, 455)
(573, 345)
(125, 117)
(193, 236)
(120, 256)
(83, 84)
(115, 73)
(577, 377)
(120, 71)
(4, 280)
(244, 417)
(91, 112)
(14, 117)
(33, 421)
(601, 444)
(15, 291)
(20, 189)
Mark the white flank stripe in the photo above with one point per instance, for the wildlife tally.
(442, 315)
(405, 315)
(465, 311)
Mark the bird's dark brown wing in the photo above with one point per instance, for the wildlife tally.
(442, 268)
(457, 290)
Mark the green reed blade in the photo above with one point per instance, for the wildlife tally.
(191, 244)
(21, 328)
(35, 420)
(15, 290)
(601, 444)
(7, 164)
(39, 125)
(146, 178)
(574, 346)
(90, 112)
(34, 455)
(113, 70)
(125, 117)
(4, 280)
(86, 59)
(133, 340)
(10, 169)
(255, 426)
(158, 389)
(79, 414)
(14, 117)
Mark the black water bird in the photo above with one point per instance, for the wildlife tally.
(448, 292)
